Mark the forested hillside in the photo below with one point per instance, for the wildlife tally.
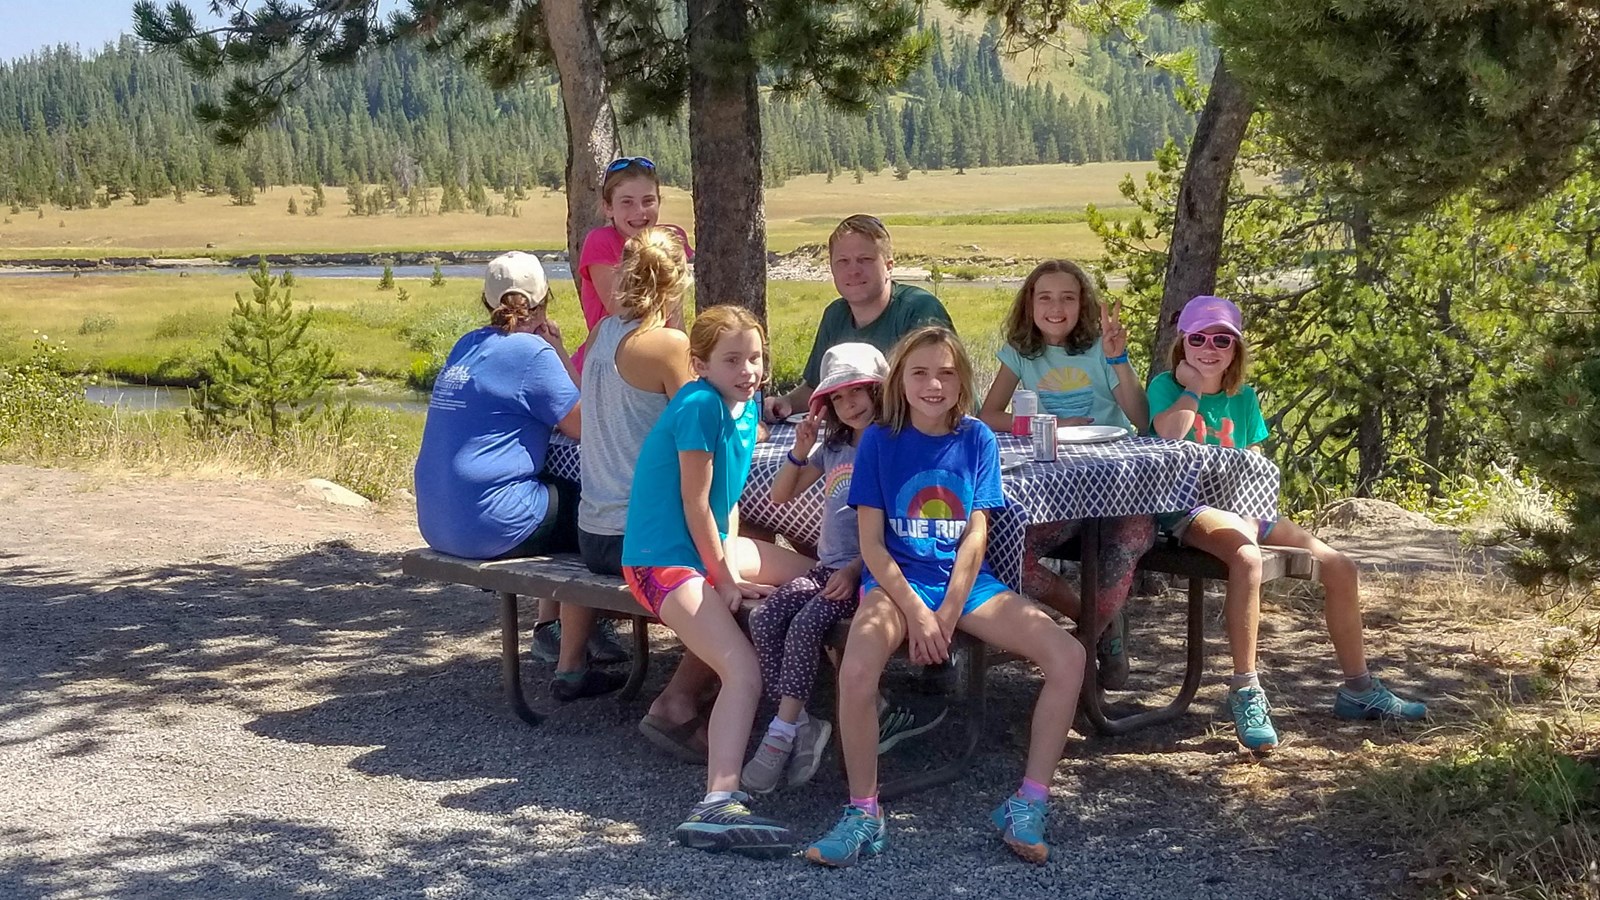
(76, 131)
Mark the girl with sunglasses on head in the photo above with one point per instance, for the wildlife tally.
(1204, 398)
(630, 198)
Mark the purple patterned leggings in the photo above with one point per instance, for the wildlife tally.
(789, 628)
(1122, 541)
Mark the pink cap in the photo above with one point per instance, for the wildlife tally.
(1206, 311)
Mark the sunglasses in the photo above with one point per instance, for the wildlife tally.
(617, 165)
(1218, 341)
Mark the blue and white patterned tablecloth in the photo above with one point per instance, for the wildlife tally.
(1133, 476)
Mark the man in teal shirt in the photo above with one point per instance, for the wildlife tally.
(871, 308)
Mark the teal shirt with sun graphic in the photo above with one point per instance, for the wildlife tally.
(928, 488)
(1069, 385)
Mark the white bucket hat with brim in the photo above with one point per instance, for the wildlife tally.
(515, 271)
(847, 365)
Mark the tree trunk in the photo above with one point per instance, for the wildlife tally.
(1196, 247)
(591, 122)
(730, 220)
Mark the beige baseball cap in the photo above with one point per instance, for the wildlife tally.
(515, 271)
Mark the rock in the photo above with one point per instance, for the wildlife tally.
(1360, 512)
(328, 492)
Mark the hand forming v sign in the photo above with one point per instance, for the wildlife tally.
(1113, 337)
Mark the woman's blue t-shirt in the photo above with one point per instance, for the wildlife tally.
(698, 418)
(927, 487)
(494, 405)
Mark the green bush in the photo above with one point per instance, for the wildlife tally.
(99, 323)
(42, 409)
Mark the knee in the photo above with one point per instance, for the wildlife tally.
(1337, 566)
(1245, 561)
(1062, 659)
(858, 677)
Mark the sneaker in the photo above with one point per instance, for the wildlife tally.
(857, 836)
(896, 723)
(809, 744)
(730, 825)
(604, 648)
(1252, 718)
(764, 772)
(1111, 655)
(1377, 703)
(594, 683)
(547, 641)
(1021, 824)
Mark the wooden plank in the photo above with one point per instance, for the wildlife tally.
(562, 578)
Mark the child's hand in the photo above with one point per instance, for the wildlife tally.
(778, 408)
(1113, 337)
(929, 646)
(1188, 376)
(731, 596)
(550, 331)
(842, 585)
(749, 590)
(805, 436)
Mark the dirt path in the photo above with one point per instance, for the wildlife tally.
(226, 688)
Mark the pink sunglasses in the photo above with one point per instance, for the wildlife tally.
(1219, 341)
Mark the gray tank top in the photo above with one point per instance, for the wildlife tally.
(616, 417)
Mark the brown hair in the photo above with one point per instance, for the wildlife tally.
(634, 169)
(838, 433)
(655, 275)
(896, 409)
(1020, 330)
(515, 308)
(867, 226)
(712, 324)
(1232, 377)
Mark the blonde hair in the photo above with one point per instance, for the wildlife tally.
(1020, 330)
(655, 276)
(870, 227)
(896, 409)
(1232, 377)
(710, 326)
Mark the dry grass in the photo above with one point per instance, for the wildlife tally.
(800, 212)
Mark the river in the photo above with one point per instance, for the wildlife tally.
(147, 398)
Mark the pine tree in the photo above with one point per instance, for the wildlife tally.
(267, 374)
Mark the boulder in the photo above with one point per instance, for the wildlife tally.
(1364, 513)
(328, 492)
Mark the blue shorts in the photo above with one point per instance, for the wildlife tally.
(984, 588)
(1176, 524)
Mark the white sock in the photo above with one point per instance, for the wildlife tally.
(718, 797)
(781, 729)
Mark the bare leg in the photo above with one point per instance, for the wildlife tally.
(549, 611)
(679, 701)
(707, 628)
(1233, 540)
(1340, 584)
(876, 632)
(576, 622)
(1014, 624)
(763, 562)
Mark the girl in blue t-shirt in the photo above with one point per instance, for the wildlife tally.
(790, 627)
(1064, 344)
(1204, 398)
(925, 479)
(685, 562)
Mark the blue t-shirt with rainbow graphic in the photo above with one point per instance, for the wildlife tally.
(927, 487)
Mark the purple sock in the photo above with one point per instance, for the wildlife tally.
(1032, 791)
(868, 805)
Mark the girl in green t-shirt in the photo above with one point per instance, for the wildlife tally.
(1204, 398)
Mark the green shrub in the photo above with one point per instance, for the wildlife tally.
(99, 323)
(42, 409)
(188, 323)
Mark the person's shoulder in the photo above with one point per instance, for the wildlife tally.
(661, 340)
(1163, 379)
(976, 432)
(910, 293)
(839, 307)
(604, 240)
(1247, 394)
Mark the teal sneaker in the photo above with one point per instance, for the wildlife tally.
(857, 836)
(546, 645)
(1252, 719)
(1021, 824)
(1377, 703)
(1111, 654)
(730, 825)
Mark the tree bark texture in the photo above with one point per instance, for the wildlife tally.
(730, 262)
(1198, 221)
(591, 121)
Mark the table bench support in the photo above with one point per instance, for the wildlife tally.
(975, 674)
(511, 660)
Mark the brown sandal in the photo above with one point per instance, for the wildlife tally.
(685, 741)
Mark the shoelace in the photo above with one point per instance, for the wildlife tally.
(1021, 814)
(858, 827)
(1253, 708)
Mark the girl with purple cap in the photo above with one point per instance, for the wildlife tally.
(789, 629)
(1204, 398)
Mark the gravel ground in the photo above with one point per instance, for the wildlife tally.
(224, 689)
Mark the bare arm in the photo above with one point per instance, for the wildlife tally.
(605, 286)
(572, 424)
(793, 479)
(928, 643)
(993, 413)
(1131, 397)
(969, 558)
(695, 491)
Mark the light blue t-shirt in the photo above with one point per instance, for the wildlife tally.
(657, 533)
(1069, 384)
(840, 540)
(494, 405)
(928, 488)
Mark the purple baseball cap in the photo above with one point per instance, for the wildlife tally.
(1206, 311)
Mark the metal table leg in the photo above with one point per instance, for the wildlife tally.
(977, 667)
(511, 661)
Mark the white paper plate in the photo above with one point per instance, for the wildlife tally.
(1011, 459)
(1089, 434)
(796, 419)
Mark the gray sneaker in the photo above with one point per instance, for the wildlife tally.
(604, 648)
(901, 721)
(1111, 653)
(547, 641)
(809, 745)
(764, 772)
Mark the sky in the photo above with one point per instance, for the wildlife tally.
(90, 24)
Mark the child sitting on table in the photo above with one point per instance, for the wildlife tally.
(789, 628)
(926, 477)
(1204, 398)
(1063, 343)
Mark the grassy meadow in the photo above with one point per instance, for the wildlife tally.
(800, 212)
